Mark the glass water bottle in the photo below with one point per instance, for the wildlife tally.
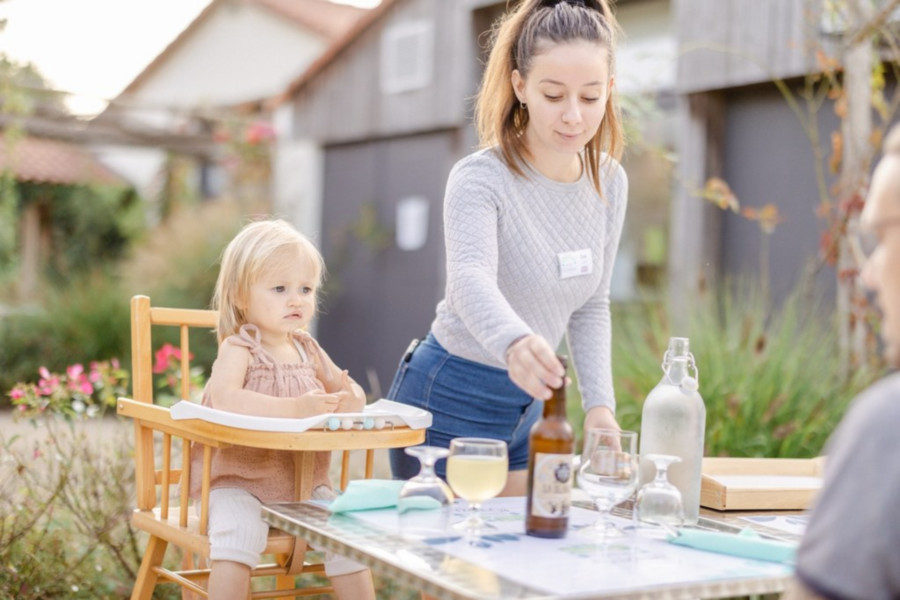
(673, 421)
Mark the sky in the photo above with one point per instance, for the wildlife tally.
(94, 48)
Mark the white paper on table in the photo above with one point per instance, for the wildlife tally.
(590, 567)
(768, 482)
(394, 413)
(794, 524)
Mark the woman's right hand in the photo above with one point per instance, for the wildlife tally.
(315, 403)
(533, 366)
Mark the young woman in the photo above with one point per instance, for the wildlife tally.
(532, 224)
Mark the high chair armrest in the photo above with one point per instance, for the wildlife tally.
(220, 436)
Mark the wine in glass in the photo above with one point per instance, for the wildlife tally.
(425, 502)
(608, 474)
(476, 470)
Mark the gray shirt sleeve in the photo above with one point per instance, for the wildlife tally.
(590, 327)
(851, 548)
(470, 234)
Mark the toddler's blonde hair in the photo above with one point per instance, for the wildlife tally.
(246, 258)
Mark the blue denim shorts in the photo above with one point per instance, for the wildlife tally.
(466, 399)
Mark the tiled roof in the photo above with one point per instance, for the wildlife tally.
(326, 18)
(51, 161)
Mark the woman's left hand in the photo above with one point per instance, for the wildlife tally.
(600, 417)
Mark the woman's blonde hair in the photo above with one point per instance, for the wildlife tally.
(516, 39)
(253, 250)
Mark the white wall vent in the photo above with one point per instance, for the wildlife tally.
(407, 56)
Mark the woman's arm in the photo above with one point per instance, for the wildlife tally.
(471, 212)
(590, 326)
(226, 391)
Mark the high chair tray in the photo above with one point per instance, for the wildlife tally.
(760, 483)
(378, 415)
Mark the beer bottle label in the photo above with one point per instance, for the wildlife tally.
(551, 491)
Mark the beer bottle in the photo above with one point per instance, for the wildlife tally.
(550, 454)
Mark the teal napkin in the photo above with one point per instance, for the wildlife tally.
(367, 494)
(746, 544)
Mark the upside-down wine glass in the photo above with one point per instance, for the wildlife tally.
(425, 503)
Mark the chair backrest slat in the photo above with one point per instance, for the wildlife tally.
(185, 481)
(185, 364)
(167, 458)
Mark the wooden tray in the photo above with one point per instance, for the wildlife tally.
(760, 483)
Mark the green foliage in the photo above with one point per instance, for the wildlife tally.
(77, 391)
(89, 224)
(84, 321)
(770, 378)
(9, 202)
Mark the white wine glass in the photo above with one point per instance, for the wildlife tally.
(609, 475)
(476, 470)
(425, 502)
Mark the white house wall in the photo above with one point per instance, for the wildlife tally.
(239, 53)
(647, 57)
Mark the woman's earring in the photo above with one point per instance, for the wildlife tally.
(522, 105)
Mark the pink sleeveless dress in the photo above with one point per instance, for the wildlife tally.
(267, 474)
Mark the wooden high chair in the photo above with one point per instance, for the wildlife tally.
(175, 523)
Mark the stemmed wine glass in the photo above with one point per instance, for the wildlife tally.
(608, 474)
(476, 470)
(659, 502)
(425, 502)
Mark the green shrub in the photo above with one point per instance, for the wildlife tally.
(87, 317)
(84, 321)
(771, 378)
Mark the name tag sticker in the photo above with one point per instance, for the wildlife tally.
(575, 263)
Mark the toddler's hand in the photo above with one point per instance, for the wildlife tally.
(317, 402)
(349, 401)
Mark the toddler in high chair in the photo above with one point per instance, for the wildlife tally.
(267, 365)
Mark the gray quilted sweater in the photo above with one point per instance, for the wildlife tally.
(503, 235)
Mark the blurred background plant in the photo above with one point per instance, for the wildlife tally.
(73, 393)
(167, 366)
(771, 376)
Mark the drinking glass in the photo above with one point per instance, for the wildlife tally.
(658, 501)
(608, 474)
(476, 470)
(425, 502)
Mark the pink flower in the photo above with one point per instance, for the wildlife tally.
(46, 387)
(22, 408)
(45, 374)
(74, 371)
(17, 393)
(166, 356)
(258, 132)
(115, 363)
(86, 387)
(95, 376)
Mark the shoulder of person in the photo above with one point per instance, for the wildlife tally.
(613, 177)
(877, 405)
(869, 423)
(484, 163)
(232, 353)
